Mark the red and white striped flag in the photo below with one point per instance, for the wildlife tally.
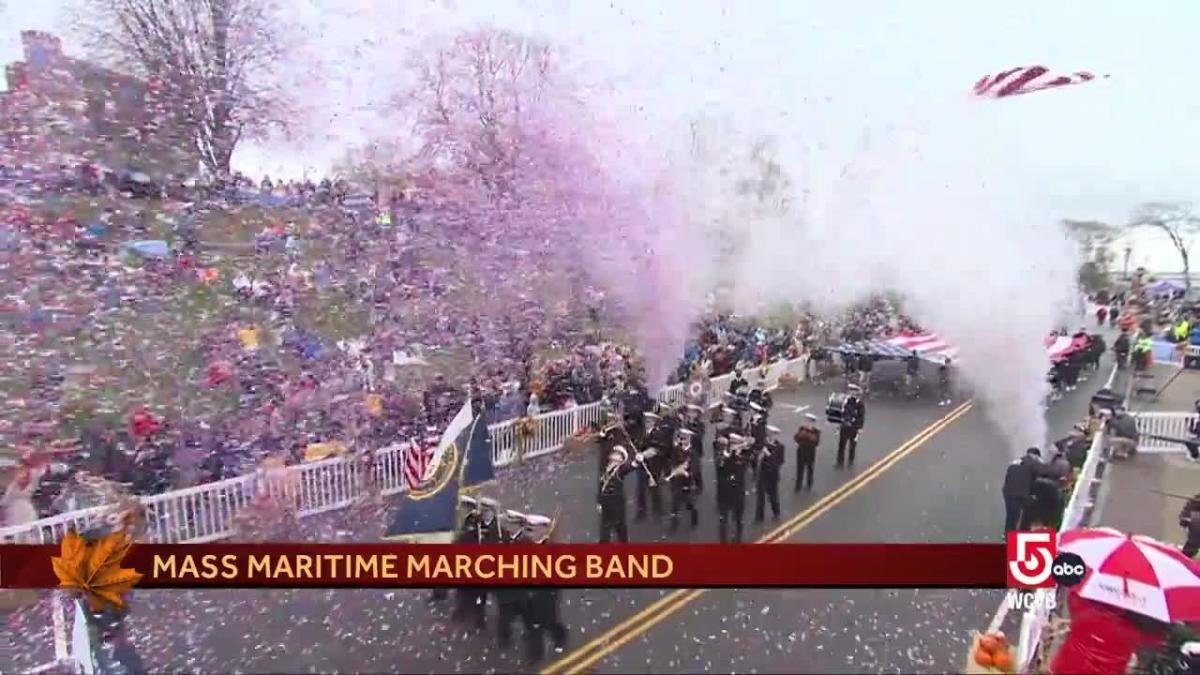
(927, 344)
(418, 461)
(1026, 80)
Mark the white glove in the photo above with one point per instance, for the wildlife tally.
(638, 456)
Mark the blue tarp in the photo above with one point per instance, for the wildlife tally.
(151, 248)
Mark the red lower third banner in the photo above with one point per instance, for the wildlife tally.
(433, 565)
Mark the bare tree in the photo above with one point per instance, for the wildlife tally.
(1177, 221)
(1095, 239)
(471, 98)
(213, 59)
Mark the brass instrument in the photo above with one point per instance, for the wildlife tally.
(614, 466)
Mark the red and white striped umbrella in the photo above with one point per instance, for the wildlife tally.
(1135, 573)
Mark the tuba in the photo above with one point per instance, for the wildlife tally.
(835, 408)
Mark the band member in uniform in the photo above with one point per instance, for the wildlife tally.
(611, 435)
(731, 484)
(807, 438)
(854, 415)
(479, 527)
(680, 480)
(738, 382)
(611, 495)
(770, 461)
(511, 602)
(695, 424)
(648, 479)
(541, 610)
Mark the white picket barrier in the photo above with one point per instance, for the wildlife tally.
(207, 512)
(1168, 424)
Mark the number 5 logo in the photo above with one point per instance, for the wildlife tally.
(1031, 559)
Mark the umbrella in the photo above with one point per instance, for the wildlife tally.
(1135, 573)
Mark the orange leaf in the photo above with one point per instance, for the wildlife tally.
(105, 553)
(69, 567)
(96, 569)
(67, 573)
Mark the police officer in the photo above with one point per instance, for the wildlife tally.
(611, 495)
(854, 416)
(731, 484)
(541, 610)
(680, 481)
(695, 424)
(771, 456)
(478, 527)
(807, 438)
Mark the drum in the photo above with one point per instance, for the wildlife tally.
(836, 407)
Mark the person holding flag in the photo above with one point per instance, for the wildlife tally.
(462, 460)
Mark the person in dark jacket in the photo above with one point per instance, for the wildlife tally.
(541, 613)
(610, 495)
(1189, 520)
(695, 424)
(807, 438)
(1121, 349)
(738, 382)
(770, 467)
(854, 416)
(1193, 427)
(478, 527)
(511, 603)
(731, 485)
(1018, 490)
(1047, 491)
(1123, 433)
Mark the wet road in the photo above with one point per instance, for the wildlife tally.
(942, 488)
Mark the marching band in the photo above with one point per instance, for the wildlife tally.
(536, 608)
(664, 446)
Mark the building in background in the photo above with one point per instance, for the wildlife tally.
(62, 112)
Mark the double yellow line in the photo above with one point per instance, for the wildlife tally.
(617, 636)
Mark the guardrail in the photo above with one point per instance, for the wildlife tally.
(1076, 514)
(207, 512)
(1169, 424)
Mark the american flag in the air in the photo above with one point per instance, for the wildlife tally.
(1026, 80)
(418, 461)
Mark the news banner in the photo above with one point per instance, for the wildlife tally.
(1027, 561)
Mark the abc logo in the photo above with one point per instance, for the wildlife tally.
(1068, 569)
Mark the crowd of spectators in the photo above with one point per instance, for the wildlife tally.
(285, 384)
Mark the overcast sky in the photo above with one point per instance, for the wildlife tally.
(1094, 151)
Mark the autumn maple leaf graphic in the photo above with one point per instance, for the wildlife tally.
(95, 569)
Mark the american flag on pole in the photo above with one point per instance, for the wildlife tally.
(418, 461)
(1026, 80)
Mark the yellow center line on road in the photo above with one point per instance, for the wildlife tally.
(645, 619)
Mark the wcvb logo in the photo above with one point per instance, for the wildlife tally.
(1031, 558)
